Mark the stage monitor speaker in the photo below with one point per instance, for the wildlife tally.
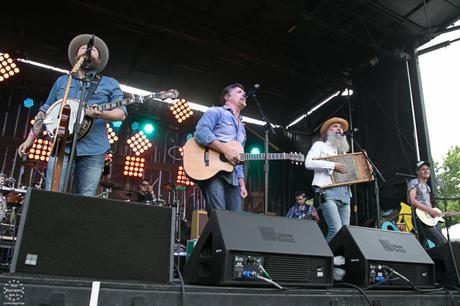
(371, 255)
(292, 251)
(72, 235)
(444, 265)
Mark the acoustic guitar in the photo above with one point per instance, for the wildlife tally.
(429, 220)
(202, 163)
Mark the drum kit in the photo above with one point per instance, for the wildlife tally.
(10, 197)
(10, 211)
(113, 190)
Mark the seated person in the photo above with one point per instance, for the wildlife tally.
(303, 208)
(146, 193)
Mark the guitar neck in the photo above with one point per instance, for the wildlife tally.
(112, 105)
(261, 156)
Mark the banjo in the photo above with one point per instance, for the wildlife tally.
(51, 120)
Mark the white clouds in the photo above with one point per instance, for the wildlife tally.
(440, 73)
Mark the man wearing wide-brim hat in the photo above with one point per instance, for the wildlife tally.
(90, 150)
(334, 202)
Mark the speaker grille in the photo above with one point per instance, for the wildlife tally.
(288, 268)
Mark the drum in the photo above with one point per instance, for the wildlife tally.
(14, 198)
(159, 202)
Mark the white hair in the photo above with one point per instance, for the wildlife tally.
(339, 141)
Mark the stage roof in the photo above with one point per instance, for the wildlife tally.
(298, 51)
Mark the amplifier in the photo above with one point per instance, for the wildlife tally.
(233, 245)
(375, 257)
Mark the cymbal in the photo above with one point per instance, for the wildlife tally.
(126, 195)
(172, 186)
(109, 184)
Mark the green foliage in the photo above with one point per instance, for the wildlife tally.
(448, 181)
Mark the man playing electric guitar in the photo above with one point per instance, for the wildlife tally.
(216, 127)
(420, 198)
(91, 149)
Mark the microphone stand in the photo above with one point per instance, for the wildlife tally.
(377, 174)
(77, 125)
(267, 127)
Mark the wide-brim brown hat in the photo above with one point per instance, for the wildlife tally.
(331, 121)
(83, 39)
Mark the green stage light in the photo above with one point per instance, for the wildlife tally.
(148, 128)
(255, 150)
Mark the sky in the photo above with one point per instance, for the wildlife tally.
(440, 73)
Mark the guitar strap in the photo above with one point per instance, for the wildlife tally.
(92, 88)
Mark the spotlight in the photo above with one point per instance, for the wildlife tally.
(139, 143)
(135, 126)
(40, 151)
(182, 179)
(181, 110)
(111, 134)
(134, 166)
(116, 124)
(8, 67)
(28, 103)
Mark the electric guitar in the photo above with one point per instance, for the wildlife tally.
(429, 220)
(52, 114)
(202, 163)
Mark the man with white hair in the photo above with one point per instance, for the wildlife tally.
(334, 202)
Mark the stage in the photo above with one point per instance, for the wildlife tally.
(56, 291)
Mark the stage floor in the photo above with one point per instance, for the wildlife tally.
(35, 290)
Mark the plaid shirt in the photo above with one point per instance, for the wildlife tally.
(301, 211)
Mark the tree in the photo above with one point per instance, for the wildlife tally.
(448, 181)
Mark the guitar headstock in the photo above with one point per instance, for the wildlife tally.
(296, 158)
(165, 94)
(77, 65)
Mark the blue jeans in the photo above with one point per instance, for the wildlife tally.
(335, 214)
(220, 195)
(86, 173)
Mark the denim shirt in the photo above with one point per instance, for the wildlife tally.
(219, 123)
(108, 90)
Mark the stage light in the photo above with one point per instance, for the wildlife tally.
(139, 143)
(28, 103)
(135, 126)
(182, 179)
(111, 134)
(148, 128)
(255, 150)
(134, 166)
(116, 124)
(181, 110)
(40, 151)
(8, 67)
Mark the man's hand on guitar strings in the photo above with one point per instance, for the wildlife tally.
(93, 112)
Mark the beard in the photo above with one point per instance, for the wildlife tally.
(92, 65)
(338, 141)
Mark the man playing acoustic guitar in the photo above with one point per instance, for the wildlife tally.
(420, 198)
(91, 149)
(216, 127)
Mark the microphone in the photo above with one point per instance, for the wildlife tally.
(89, 48)
(252, 91)
(350, 132)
